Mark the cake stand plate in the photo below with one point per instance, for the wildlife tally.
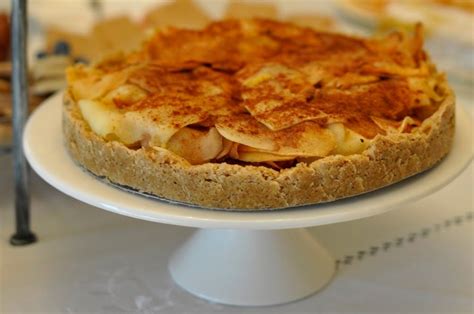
(238, 258)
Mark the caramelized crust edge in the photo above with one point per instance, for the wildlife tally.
(388, 159)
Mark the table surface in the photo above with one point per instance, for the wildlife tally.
(415, 259)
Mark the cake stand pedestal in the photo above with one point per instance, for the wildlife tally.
(238, 258)
(252, 267)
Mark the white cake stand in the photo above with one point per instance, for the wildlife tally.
(236, 258)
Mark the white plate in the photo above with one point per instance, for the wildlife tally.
(44, 149)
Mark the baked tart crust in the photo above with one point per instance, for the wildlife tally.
(404, 139)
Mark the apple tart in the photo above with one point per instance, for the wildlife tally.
(259, 114)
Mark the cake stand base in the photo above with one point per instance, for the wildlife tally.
(252, 267)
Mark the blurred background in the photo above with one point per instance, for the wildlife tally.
(63, 32)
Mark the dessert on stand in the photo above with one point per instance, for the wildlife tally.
(239, 258)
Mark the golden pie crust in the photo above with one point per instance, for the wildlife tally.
(387, 160)
(388, 157)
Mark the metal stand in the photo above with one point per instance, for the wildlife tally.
(23, 234)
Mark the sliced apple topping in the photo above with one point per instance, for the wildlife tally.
(125, 95)
(92, 84)
(425, 90)
(196, 146)
(153, 125)
(348, 141)
(103, 119)
(160, 123)
(391, 126)
(277, 96)
(245, 130)
(226, 148)
(304, 139)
